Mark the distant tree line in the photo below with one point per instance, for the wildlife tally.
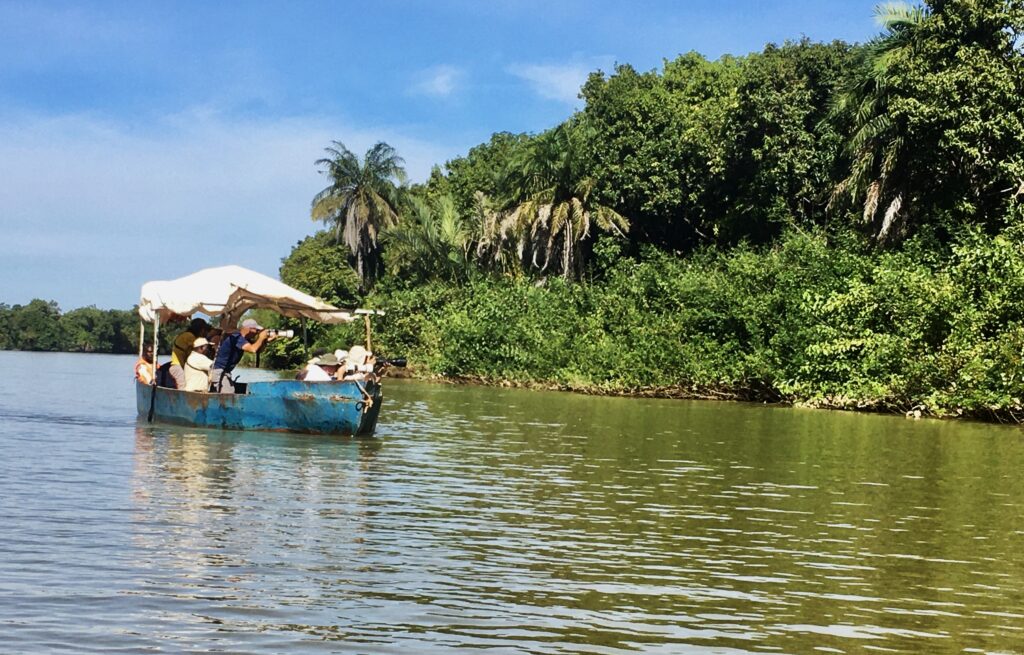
(41, 326)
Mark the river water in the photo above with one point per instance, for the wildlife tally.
(501, 521)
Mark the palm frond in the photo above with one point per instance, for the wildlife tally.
(890, 218)
(874, 193)
(898, 16)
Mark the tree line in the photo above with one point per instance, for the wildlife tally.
(41, 326)
(824, 223)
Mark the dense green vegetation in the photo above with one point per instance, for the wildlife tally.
(824, 223)
(832, 224)
(41, 326)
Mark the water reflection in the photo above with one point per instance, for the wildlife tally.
(500, 518)
(240, 527)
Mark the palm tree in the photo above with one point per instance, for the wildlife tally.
(552, 210)
(361, 202)
(876, 148)
(497, 247)
(434, 240)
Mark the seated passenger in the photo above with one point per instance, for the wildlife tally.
(164, 377)
(304, 371)
(144, 367)
(324, 370)
(313, 361)
(183, 348)
(214, 336)
(358, 365)
(197, 366)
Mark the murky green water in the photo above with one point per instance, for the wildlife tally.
(501, 521)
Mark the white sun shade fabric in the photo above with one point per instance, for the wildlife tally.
(229, 292)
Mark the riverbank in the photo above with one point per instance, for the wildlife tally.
(1010, 416)
(811, 321)
(815, 320)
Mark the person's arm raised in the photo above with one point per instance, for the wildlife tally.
(256, 345)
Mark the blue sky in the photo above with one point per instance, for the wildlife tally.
(143, 141)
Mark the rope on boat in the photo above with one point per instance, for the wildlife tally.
(367, 398)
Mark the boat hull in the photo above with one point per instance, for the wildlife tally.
(345, 408)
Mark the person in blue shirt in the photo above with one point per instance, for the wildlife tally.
(250, 338)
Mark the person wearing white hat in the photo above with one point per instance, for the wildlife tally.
(197, 366)
(358, 364)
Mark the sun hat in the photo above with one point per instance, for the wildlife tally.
(357, 356)
(251, 323)
(329, 360)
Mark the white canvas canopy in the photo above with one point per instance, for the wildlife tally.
(229, 292)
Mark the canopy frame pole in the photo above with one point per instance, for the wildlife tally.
(305, 337)
(156, 367)
(142, 337)
(369, 345)
(156, 347)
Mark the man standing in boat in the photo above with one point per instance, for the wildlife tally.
(250, 338)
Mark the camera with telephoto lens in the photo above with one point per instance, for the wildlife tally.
(398, 362)
(280, 334)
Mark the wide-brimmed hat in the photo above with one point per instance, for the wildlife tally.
(357, 355)
(329, 360)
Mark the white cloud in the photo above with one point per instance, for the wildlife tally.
(560, 82)
(90, 208)
(438, 81)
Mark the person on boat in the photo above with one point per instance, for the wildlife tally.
(182, 348)
(324, 370)
(250, 338)
(314, 360)
(358, 365)
(144, 367)
(214, 336)
(198, 365)
(301, 375)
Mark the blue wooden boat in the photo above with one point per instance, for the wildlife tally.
(347, 407)
(343, 407)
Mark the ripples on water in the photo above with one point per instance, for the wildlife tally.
(505, 521)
